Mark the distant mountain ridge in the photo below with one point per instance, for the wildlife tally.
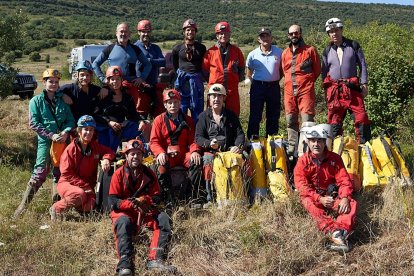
(97, 19)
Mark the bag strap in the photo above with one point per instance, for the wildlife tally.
(371, 163)
(175, 134)
(341, 145)
(272, 145)
(389, 154)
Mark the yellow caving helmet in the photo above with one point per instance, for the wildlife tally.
(51, 73)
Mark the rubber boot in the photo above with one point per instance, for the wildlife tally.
(27, 198)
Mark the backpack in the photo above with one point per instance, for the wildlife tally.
(227, 178)
(371, 176)
(278, 184)
(390, 158)
(275, 154)
(258, 183)
(348, 148)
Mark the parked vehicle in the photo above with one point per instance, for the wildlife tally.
(24, 84)
(86, 52)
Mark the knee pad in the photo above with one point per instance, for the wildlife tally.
(307, 117)
(336, 129)
(292, 121)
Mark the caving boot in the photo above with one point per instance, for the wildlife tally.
(27, 198)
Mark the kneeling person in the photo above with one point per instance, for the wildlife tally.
(78, 167)
(218, 129)
(133, 195)
(324, 186)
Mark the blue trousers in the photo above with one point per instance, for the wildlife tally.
(109, 138)
(260, 93)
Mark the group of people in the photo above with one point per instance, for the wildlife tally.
(137, 89)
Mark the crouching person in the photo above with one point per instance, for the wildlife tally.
(78, 167)
(325, 189)
(218, 130)
(172, 143)
(133, 195)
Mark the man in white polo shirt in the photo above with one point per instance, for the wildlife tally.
(264, 71)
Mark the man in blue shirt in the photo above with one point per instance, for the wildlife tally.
(148, 96)
(151, 51)
(124, 54)
(264, 72)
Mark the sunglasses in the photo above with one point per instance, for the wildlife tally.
(294, 33)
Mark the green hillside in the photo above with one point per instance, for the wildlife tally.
(96, 19)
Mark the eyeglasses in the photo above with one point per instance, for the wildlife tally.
(294, 33)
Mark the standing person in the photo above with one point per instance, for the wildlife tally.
(154, 54)
(264, 67)
(133, 195)
(187, 60)
(218, 129)
(52, 120)
(345, 89)
(78, 167)
(301, 67)
(224, 64)
(82, 95)
(324, 186)
(116, 114)
(134, 64)
(172, 143)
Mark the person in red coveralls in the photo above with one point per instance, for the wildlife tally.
(78, 167)
(224, 63)
(325, 189)
(172, 143)
(133, 195)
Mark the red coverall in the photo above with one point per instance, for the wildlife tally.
(301, 71)
(142, 100)
(78, 174)
(312, 180)
(125, 217)
(160, 140)
(227, 74)
(340, 98)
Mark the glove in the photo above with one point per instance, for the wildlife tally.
(126, 205)
(56, 137)
(141, 204)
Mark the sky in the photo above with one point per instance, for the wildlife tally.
(400, 2)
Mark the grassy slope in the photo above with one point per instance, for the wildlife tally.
(269, 239)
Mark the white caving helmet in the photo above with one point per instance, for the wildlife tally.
(321, 131)
(333, 23)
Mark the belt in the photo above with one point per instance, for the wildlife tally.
(268, 83)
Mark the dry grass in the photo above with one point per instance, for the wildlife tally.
(267, 239)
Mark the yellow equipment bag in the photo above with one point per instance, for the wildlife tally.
(258, 166)
(56, 151)
(228, 180)
(390, 158)
(348, 148)
(278, 184)
(275, 154)
(368, 167)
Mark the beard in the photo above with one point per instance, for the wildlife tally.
(296, 41)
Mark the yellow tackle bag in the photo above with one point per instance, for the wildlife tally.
(278, 184)
(275, 154)
(390, 158)
(348, 148)
(228, 180)
(368, 167)
(259, 185)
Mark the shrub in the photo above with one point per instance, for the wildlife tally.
(47, 58)
(35, 56)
